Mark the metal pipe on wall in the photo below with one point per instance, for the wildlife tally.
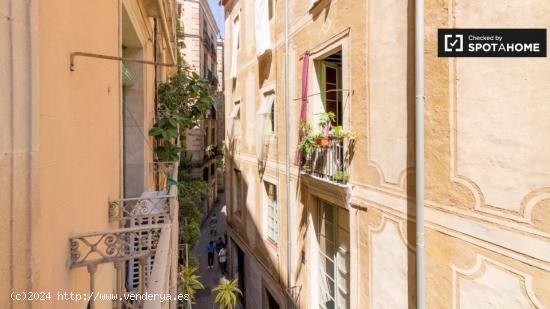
(419, 153)
(287, 161)
(166, 31)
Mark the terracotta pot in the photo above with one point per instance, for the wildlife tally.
(323, 141)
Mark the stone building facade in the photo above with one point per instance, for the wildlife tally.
(352, 229)
(75, 141)
(200, 51)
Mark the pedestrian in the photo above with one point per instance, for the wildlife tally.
(211, 251)
(220, 244)
(222, 259)
(212, 224)
(225, 238)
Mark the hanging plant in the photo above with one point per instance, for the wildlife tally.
(183, 101)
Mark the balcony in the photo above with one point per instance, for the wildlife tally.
(143, 249)
(328, 158)
(212, 78)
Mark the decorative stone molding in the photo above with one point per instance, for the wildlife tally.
(19, 147)
(490, 284)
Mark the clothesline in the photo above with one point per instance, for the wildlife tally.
(327, 91)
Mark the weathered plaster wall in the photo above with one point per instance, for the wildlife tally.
(486, 224)
(61, 158)
(79, 139)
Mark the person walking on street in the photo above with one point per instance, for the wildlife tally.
(211, 251)
(222, 259)
(220, 244)
(212, 224)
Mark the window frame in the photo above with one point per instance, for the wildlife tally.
(269, 128)
(335, 257)
(237, 200)
(271, 214)
(235, 116)
(235, 45)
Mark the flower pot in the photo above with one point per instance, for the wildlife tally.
(323, 141)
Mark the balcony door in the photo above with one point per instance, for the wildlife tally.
(333, 239)
(134, 113)
(331, 86)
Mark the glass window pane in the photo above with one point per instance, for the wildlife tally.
(342, 300)
(342, 282)
(343, 241)
(327, 230)
(327, 287)
(327, 247)
(327, 267)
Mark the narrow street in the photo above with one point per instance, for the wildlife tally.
(210, 277)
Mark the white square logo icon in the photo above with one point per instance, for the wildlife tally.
(454, 42)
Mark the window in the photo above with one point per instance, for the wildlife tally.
(271, 213)
(267, 111)
(236, 116)
(212, 169)
(237, 206)
(331, 85)
(235, 47)
(333, 238)
(213, 136)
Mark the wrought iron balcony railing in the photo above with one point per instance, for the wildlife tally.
(114, 245)
(144, 248)
(141, 210)
(330, 160)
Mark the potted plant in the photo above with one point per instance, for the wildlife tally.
(189, 283)
(226, 293)
(326, 119)
(308, 145)
(322, 140)
(341, 177)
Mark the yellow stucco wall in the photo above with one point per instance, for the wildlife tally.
(487, 229)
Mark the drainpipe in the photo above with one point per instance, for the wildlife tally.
(166, 31)
(287, 165)
(419, 153)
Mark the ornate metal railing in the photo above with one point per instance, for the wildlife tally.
(142, 210)
(114, 245)
(119, 246)
(143, 251)
(330, 160)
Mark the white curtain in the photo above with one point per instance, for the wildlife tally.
(235, 47)
(263, 32)
(261, 118)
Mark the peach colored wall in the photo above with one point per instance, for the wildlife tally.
(79, 138)
(62, 147)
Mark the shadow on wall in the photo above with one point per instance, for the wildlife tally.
(266, 253)
(264, 67)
